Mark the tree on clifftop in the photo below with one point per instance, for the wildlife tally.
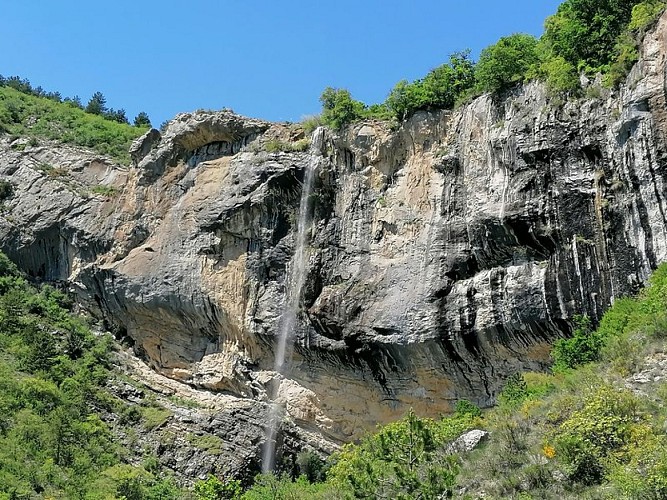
(97, 104)
(142, 120)
(506, 62)
(339, 109)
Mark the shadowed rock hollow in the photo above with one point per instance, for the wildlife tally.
(443, 256)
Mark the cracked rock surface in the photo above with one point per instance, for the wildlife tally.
(443, 256)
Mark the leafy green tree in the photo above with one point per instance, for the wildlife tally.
(583, 347)
(559, 74)
(97, 104)
(584, 32)
(339, 109)
(142, 120)
(439, 89)
(507, 62)
(404, 460)
(448, 81)
(405, 99)
(215, 489)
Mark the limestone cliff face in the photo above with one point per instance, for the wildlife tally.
(443, 256)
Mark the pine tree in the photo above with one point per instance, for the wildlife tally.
(97, 104)
(142, 120)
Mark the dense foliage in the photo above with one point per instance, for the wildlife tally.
(439, 89)
(584, 32)
(52, 373)
(506, 63)
(584, 36)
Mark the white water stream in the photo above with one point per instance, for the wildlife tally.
(296, 278)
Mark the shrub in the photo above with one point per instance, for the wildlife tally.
(154, 416)
(439, 89)
(377, 112)
(507, 62)
(651, 459)
(593, 438)
(583, 347)
(515, 391)
(584, 32)
(405, 98)
(215, 489)
(445, 83)
(559, 74)
(466, 408)
(310, 123)
(210, 443)
(339, 109)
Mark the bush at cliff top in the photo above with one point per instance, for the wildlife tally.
(584, 32)
(439, 89)
(340, 109)
(507, 62)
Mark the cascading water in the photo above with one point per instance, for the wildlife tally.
(296, 278)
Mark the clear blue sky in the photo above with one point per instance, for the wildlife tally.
(268, 59)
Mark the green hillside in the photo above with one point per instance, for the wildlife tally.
(26, 115)
(53, 369)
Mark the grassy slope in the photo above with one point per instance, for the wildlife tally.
(26, 115)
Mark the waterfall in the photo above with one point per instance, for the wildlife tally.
(296, 278)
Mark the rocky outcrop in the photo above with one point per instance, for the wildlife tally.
(443, 256)
(193, 138)
(468, 441)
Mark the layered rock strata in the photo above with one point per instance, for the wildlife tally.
(444, 255)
